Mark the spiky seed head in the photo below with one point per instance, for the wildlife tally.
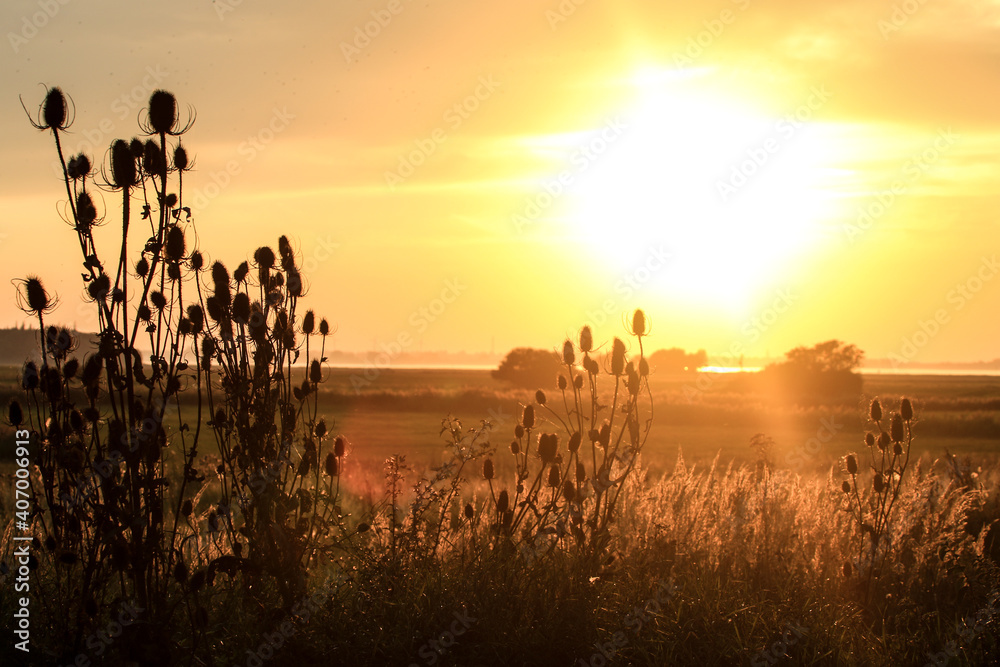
(569, 355)
(876, 410)
(320, 429)
(581, 473)
(639, 323)
(897, 448)
(78, 167)
(99, 287)
(324, 327)
(36, 296)
(162, 112)
(569, 491)
(540, 397)
(846, 486)
(29, 376)
(137, 147)
(883, 440)
(197, 317)
(561, 383)
(515, 447)
(175, 243)
(503, 501)
(896, 428)
(241, 308)
(123, 173)
(153, 161)
(878, 482)
(528, 417)
(54, 109)
(157, 299)
(308, 322)
(339, 446)
(870, 439)
(617, 357)
(574, 441)
(554, 477)
(197, 261)
(142, 267)
(906, 409)
(15, 415)
(240, 274)
(518, 431)
(852, 464)
(586, 340)
(488, 469)
(264, 257)
(315, 372)
(180, 158)
(331, 465)
(605, 437)
(590, 365)
(143, 313)
(469, 513)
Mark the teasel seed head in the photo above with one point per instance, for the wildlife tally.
(162, 112)
(339, 446)
(845, 487)
(515, 447)
(574, 441)
(503, 501)
(852, 464)
(488, 469)
(878, 482)
(553, 477)
(78, 167)
(897, 448)
(518, 431)
(586, 340)
(581, 472)
(540, 397)
(876, 410)
(175, 243)
(569, 491)
(870, 439)
(883, 440)
(331, 465)
(528, 417)
(639, 323)
(561, 383)
(324, 328)
(469, 513)
(617, 357)
(241, 308)
(197, 261)
(896, 428)
(548, 447)
(315, 372)
(308, 322)
(906, 409)
(240, 274)
(569, 355)
(15, 414)
(35, 299)
(180, 158)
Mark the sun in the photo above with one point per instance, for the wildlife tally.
(736, 196)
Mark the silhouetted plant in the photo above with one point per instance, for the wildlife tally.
(125, 508)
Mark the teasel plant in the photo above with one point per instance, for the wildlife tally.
(124, 501)
(570, 470)
(871, 505)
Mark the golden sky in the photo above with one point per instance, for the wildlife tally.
(455, 175)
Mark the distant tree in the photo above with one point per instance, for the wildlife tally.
(823, 372)
(676, 360)
(529, 368)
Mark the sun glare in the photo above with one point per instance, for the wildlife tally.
(733, 194)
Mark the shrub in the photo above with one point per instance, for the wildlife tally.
(529, 368)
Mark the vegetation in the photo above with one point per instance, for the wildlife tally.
(676, 360)
(823, 372)
(529, 368)
(196, 507)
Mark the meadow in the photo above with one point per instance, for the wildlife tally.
(226, 498)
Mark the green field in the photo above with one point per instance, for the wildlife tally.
(400, 412)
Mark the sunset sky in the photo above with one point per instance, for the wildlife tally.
(767, 173)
